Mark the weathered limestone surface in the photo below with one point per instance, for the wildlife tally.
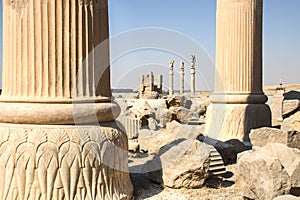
(152, 141)
(56, 63)
(290, 106)
(276, 107)
(63, 162)
(262, 136)
(238, 102)
(181, 77)
(171, 77)
(269, 171)
(193, 72)
(286, 197)
(181, 164)
(292, 123)
(58, 137)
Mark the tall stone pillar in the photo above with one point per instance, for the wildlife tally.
(181, 77)
(58, 137)
(238, 102)
(193, 72)
(171, 77)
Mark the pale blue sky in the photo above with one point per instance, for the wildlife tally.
(190, 26)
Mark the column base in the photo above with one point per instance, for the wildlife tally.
(64, 162)
(235, 121)
(58, 112)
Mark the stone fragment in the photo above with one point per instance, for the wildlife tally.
(181, 164)
(262, 136)
(152, 141)
(291, 123)
(152, 124)
(269, 171)
(182, 114)
(140, 109)
(133, 145)
(173, 101)
(164, 116)
(286, 197)
(199, 106)
(290, 106)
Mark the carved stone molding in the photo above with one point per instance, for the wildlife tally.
(63, 162)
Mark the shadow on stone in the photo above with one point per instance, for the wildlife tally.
(147, 178)
(292, 95)
(216, 183)
(228, 150)
(295, 191)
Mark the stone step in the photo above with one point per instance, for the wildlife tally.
(219, 173)
(214, 153)
(216, 168)
(216, 158)
(216, 163)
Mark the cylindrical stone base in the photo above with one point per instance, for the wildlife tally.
(64, 162)
(235, 121)
(58, 112)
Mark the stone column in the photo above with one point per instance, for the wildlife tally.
(238, 102)
(171, 77)
(181, 77)
(276, 107)
(58, 137)
(193, 71)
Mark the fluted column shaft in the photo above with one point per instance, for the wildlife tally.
(181, 77)
(239, 49)
(193, 72)
(238, 102)
(171, 77)
(56, 53)
(51, 49)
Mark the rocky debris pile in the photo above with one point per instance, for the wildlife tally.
(269, 171)
(163, 111)
(272, 167)
(157, 115)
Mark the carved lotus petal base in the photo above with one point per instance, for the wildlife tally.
(234, 121)
(64, 162)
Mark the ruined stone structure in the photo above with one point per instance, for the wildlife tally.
(132, 126)
(171, 77)
(181, 90)
(58, 137)
(151, 86)
(276, 107)
(193, 72)
(238, 102)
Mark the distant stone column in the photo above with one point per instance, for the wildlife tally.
(58, 137)
(181, 77)
(193, 72)
(171, 77)
(238, 102)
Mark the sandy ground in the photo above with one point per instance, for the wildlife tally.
(149, 190)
